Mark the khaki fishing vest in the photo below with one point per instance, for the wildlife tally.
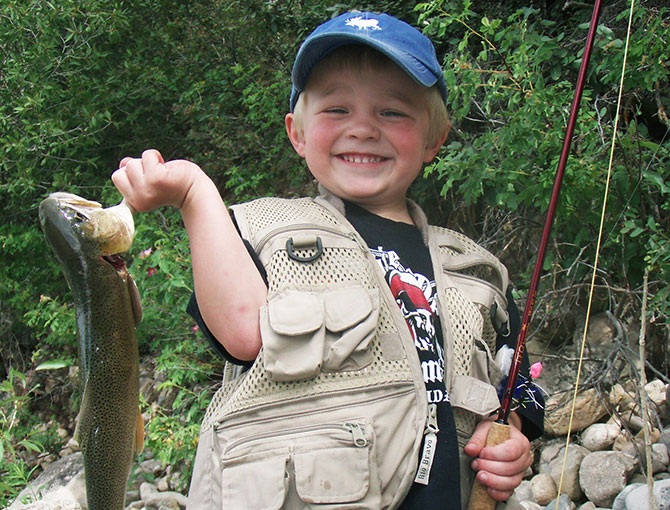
(333, 411)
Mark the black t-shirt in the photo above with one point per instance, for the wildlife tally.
(406, 263)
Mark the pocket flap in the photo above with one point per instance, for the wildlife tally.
(240, 483)
(337, 475)
(346, 307)
(474, 395)
(295, 313)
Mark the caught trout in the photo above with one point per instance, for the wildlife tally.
(87, 240)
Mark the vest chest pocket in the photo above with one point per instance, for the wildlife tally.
(328, 466)
(305, 332)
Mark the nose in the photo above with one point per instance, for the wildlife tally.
(363, 126)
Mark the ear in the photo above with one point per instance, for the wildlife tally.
(295, 135)
(432, 148)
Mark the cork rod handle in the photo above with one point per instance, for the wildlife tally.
(479, 497)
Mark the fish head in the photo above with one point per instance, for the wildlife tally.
(75, 225)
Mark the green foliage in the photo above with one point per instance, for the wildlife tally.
(17, 436)
(511, 84)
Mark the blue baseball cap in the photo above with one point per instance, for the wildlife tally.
(402, 43)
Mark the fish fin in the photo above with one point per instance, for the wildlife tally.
(139, 433)
(75, 436)
(84, 404)
(134, 299)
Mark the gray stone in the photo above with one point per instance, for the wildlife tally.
(589, 505)
(605, 474)
(564, 503)
(566, 474)
(55, 477)
(659, 457)
(146, 490)
(638, 498)
(657, 390)
(524, 492)
(620, 501)
(543, 488)
(550, 451)
(165, 501)
(530, 505)
(600, 436)
(588, 409)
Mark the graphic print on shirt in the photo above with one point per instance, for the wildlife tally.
(416, 296)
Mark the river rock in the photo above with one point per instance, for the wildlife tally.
(637, 498)
(549, 452)
(59, 485)
(531, 505)
(165, 501)
(564, 503)
(659, 457)
(600, 436)
(604, 474)
(543, 489)
(588, 410)
(620, 501)
(523, 492)
(657, 391)
(569, 483)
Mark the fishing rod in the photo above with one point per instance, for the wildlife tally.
(499, 432)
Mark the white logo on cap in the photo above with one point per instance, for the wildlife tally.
(363, 24)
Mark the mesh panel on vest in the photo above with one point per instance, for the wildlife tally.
(335, 265)
(271, 211)
(463, 318)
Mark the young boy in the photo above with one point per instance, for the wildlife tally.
(367, 111)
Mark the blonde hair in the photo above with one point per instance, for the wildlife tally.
(361, 56)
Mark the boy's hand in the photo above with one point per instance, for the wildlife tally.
(148, 183)
(501, 467)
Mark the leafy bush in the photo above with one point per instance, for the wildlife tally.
(511, 83)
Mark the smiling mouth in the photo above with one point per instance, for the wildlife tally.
(361, 158)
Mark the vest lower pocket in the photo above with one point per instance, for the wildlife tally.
(327, 466)
(305, 332)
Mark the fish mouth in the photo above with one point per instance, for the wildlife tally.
(116, 261)
(110, 229)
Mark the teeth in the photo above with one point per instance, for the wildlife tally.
(362, 159)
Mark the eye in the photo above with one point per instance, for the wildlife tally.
(337, 110)
(393, 114)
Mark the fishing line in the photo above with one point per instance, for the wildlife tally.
(598, 246)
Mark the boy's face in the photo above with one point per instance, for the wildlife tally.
(365, 134)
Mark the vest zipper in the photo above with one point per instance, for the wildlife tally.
(429, 446)
(496, 290)
(352, 431)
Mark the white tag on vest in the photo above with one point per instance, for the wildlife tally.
(426, 462)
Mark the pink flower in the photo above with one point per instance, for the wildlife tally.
(151, 271)
(535, 370)
(195, 328)
(144, 254)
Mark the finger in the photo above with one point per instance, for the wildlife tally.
(120, 180)
(151, 158)
(503, 468)
(478, 439)
(124, 161)
(498, 483)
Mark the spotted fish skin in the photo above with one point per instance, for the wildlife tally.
(82, 234)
